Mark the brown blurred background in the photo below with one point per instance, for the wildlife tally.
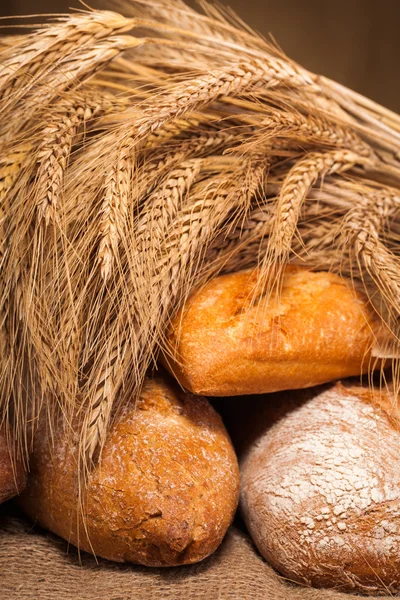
(356, 42)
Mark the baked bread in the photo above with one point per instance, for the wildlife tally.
(12, 470)
(320, 492)
(223, 343)
(164, 494)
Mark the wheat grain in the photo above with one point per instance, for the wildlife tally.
(10, 166)
(73, 70)
(161, 231)
(245, 246)
(146, 177)
(197, 144)
(155, 165)
(194, 94)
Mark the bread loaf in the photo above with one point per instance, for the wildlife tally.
(166, 489)
(12, 470)
(320, 493)
(224, 344)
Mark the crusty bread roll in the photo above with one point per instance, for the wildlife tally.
(320, 492)
(222, 344)
(166, 489)
(12, 470)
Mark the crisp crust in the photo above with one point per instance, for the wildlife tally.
(12, 471)
(165, 492)
(321, 492)
(221, 344)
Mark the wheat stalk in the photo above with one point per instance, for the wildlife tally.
(197, 151)
(149, 172)
(114, 211)
(54, 152)
(50, 162)
(315, 129)
(196, 93)
(33, 57)
(362, 230)
(196, 145)
(295, 187)
(151, 227)
(76, 68)
(233, 80)
(118, 189)
(214, 201)
(188, 228)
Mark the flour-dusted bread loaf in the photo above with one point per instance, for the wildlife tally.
(166, 489)
(320, 492)
(223, 344)
(12, 470)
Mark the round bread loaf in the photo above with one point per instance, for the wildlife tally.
(164, 494)
(12, 470)
(321, 493)
(224, 342)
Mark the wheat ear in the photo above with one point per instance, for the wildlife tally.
(114, 210)
(313, 128)
(195, 93)
(33, 58)
(119, 184)
(362, 229)
(195, 231)
(55, 150)
(160, 214)
(295, 187)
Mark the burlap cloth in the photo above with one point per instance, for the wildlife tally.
(39, 566)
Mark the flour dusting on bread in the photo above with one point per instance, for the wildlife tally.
(321, 493)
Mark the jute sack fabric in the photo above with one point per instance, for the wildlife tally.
(37, 565)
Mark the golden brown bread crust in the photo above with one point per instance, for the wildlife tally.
(12, 471)
(222, 345)
(166, 489)
(320, 492)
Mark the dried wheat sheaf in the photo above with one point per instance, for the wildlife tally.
(144, 152)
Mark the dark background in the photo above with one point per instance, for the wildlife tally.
(356, 42)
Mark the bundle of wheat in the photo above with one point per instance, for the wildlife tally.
(143, 154)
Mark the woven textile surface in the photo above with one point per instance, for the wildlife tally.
(35, 564)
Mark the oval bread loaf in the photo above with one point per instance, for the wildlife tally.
(164, 494)
(223, 343)
(320, 493)
(12, 470)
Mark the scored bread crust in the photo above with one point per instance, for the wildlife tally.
(164, 494)
(12, 470)
(223, 343)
